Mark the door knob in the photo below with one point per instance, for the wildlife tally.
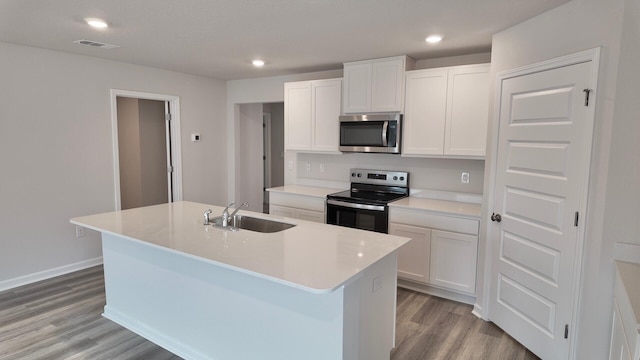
(496, 217)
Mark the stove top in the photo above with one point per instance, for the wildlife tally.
(377, 187)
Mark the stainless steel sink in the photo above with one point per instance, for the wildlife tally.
(252, 224)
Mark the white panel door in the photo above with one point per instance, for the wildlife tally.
(327, 97)
(543, 159)
(424, 115)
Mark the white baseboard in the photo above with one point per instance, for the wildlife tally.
(477, 311)
(431, 290)
(47, 274)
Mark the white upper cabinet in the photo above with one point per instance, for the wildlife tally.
(375, 85)
(446, 111)
(311, 112)
(425, 112)
(297, 115)
(467, 111)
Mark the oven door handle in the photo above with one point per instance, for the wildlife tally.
(356, 206)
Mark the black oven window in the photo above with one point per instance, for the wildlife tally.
(361, 133)
(366, 221)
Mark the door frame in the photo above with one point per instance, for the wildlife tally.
(176, 147)
(491, 232)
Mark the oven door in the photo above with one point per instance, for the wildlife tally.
(359, 216)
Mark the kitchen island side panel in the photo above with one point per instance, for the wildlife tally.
(202, 311)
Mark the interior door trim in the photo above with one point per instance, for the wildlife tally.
(489, 231)
(176, 147)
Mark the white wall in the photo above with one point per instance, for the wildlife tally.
(253, 91)
(623, 192)
(56, 150)
(575, 26)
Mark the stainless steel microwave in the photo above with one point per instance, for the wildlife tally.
(371, 133)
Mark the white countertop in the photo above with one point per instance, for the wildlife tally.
(629, 274)
(310, 256)
(438, 206)
(305, 190)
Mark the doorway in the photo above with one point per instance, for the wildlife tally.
(540, 182)
(146, 149)
(259, 156)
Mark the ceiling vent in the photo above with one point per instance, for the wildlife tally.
(96, 44)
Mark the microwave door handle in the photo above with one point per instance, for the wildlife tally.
(385, 130)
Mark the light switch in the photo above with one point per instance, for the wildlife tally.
(195, 137)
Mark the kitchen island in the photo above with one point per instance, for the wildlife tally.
(313, 291)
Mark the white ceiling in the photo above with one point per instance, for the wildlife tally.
(219, 38)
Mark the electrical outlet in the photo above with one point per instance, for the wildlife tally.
(377, 283)
(321, 168)
(79, 231)
(464, 178)
(308, 167)
(290, 165)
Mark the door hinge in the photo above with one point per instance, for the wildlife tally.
(170, 168)
(566, 331)
(575, 220)
(167, 117)
(586, 96)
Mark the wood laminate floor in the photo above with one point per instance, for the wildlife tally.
(60, 318)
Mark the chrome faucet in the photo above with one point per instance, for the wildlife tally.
(238, 209)
(206, 216)
(225, 214)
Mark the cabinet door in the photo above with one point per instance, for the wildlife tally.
(425, 109)
(309, 215)
(453, 261)
(619, 349)
(326, 104)
(467, 111)
(282, 211)
(357, 88)
(387, 85)
(413, 258)
(297, 115)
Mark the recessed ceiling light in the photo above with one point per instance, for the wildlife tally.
(258, 63)
(432, 39)
(97, 23)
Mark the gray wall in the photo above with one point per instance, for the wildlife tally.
(248, 160)
(576, 26)
(129, 153)
(56, 152)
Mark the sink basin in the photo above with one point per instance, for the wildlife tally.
(253, 224)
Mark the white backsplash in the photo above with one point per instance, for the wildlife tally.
(425, 173)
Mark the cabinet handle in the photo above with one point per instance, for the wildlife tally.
(496, 217)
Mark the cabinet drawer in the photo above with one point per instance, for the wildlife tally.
(434, 221)
(297, 201)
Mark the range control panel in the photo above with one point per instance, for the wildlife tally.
(380, 177)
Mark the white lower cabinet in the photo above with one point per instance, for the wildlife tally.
(625, 330)
(297, 207)
(442, 252)
(454, 264)
(413, 258)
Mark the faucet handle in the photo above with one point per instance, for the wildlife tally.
(206, 216)
(228, 206)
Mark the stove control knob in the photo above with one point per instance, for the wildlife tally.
(395, 178)
(401, 178)
(359, 175)
(353, 174)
